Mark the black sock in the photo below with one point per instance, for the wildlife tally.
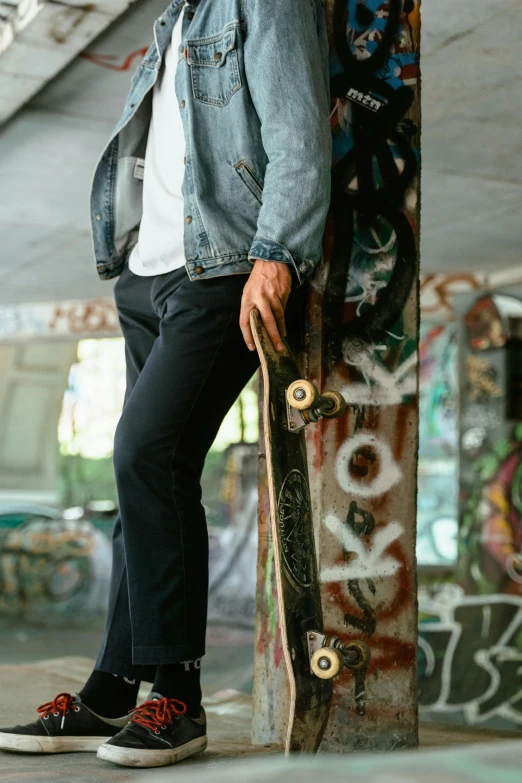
(181, 681)
(109, 695)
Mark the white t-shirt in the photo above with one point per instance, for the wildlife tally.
(160, 246)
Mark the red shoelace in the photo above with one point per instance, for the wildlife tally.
(156, 713)
(59, 706)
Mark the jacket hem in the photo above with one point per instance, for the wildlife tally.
(229, 264)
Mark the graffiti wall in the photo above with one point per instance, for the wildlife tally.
(470, 658)
(53, 572)
(470, 642)
(55, 566)
(45, 320)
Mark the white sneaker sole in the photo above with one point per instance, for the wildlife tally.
(27, 743)
(134, 757)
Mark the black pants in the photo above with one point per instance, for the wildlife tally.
(186, 364)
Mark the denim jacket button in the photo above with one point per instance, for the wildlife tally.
(185, 159)
(182, 104)
(188, 219)
(98, 217)
(199, 270)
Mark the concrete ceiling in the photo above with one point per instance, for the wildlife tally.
(472, 150)
(39, 38)
(472, 145)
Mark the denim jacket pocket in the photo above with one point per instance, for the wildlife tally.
(250, 179)
(214, 68)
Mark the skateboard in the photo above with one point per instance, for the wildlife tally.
(312, 658)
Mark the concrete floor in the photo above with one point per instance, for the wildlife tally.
(228, 659)
(24, 686)
(499, 762)
(227, 681)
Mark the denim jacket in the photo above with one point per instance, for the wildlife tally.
(253, 89)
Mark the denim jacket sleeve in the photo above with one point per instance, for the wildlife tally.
(286, 66)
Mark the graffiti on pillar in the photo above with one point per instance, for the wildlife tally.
(490, 556)
(372, 560)
(437, 292)
(375, 165)
(470, 656)
(361, 330)
(485, 322)
(437, 497)
(482, 379)
(362, 340)
(438, 403)
(490, 535)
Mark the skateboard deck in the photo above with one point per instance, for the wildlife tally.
(312, 658)
(297, 580)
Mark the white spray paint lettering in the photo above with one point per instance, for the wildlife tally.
(382, 387)
(389, 473)
(370, 562)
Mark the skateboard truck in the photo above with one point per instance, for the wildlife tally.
(305, 404)
(329, 655)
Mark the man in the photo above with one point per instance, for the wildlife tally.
(210, 199)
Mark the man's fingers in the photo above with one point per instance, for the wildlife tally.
(279, 313)
(274, 325)
(244, 324)
(271, 327)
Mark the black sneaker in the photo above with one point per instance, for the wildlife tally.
(64, 725)
(158, 733)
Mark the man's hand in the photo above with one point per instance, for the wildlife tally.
(267, 288)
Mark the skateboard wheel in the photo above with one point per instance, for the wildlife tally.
(326, 663)
(339, 405)
(301, 395)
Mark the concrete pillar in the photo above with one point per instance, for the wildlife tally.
(490, 481)
(33, 378)
(38, 343)
(362, 338)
